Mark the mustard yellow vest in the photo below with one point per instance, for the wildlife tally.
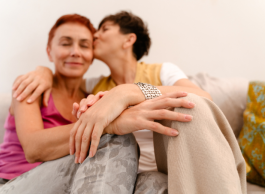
(145, 73)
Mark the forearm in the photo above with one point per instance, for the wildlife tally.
(135, 96)
(49, 144)
(197, 91)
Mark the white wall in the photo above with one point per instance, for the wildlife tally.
(222, 37)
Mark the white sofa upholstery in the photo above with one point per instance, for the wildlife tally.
(229, 94)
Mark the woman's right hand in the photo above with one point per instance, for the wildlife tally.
(34, 83)
(79, 109)
(143, 115)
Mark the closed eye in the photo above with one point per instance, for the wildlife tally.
(84, 46)
(105, 29)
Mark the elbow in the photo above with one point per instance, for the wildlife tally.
(31, 156)
(207, 95)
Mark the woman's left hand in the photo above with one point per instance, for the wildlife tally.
(91, 123)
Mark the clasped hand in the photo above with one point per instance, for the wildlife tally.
(111, 115)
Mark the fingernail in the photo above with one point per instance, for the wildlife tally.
(90, 154)
(75, 160)
(83, 108)
(78, 114)
(188, 117)
(29, 101)
(191, 104)
(19, 98)
(79, 161)
(15, 95)
(184, 93)
(174, 132)
(90, 102)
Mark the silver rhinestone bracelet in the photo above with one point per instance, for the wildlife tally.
(149, 90)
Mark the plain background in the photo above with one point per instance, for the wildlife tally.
(224, 38)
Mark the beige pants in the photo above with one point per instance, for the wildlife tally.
(205, 157)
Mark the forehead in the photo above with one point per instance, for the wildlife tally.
(109, 23)
(73, 30)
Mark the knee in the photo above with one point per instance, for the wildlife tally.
(121, 145)
(204, 108)
(127, 140)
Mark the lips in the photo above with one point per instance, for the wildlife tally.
(95, 42)
(73, 63)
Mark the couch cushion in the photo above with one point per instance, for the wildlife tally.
(5, 101)
(230, 94)
(255, 189)
(252, 136)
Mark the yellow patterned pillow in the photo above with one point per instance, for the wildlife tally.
(252, 136)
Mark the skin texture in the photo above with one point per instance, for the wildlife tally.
(115, 49)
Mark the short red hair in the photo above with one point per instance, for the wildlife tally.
(71, 18)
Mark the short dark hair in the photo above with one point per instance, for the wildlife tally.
(130, 23)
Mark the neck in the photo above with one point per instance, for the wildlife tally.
(67, 86)
(123, 69)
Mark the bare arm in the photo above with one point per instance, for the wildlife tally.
(187, 86)
(39, 144)
(34, 84)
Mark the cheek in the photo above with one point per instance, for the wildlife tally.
(62, 54)
(88, 56)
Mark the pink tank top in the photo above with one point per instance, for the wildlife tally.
(12, 158)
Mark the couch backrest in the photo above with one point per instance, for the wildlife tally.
(230, 94)
(5, 101)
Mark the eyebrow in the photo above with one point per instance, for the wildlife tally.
(69, 38)
(66, 37)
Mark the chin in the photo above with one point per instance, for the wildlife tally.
(71, 73)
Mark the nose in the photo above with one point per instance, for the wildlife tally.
(96, 35)
(75, 51)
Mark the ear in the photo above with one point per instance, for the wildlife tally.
(48, 50)
(130, 40)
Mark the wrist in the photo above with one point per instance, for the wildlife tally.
(108, 129)
(131, 93)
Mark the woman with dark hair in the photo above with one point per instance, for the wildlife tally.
(204, 158)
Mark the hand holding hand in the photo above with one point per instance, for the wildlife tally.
(79, 109)
(142, 116)
(92, 123)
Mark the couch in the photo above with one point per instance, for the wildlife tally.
(229, 94)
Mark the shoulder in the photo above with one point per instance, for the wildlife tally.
(170, 73)
(21, 104)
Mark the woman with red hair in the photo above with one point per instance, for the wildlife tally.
(35, 151)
